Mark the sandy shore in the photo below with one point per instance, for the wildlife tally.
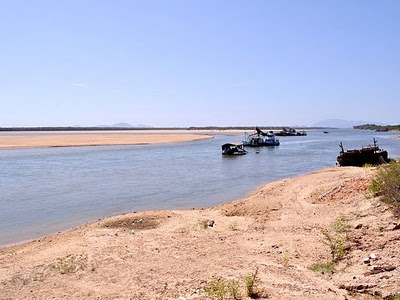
(171, 254)
(70, 139)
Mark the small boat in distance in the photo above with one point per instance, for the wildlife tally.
(326, 131)
(359, 157)
(260, 138)
(291, 132)
(233, 149)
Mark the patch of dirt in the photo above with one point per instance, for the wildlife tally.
(135, 222)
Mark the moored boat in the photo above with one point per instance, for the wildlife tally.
(291, 132)
(359, 157)
(233, 149)
(260, 138)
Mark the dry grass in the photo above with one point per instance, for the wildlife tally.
(222, 289)
(70, 264)
(65, 265)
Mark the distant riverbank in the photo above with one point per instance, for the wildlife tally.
(381, 128)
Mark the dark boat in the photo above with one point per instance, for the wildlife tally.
(368, 155)
(260, 138)
(326, 131)
(233, 149)
(291, 132)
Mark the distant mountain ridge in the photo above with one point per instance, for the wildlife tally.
(339, 123)
(125, 125)
(121, 125)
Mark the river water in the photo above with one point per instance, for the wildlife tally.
(50, 189)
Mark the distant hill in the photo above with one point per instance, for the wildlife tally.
(339, 123)
(125, 125)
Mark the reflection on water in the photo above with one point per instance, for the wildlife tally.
(45, 190)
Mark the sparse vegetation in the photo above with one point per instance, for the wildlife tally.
(234, 289)
(37, 274)
(66, 265)
(340, 225)
(336, 238)
(70, 264)
(285, 259)
(367, 166)
(204, 224)
(233, 212)
(250, 282)
(386, 183)
(216, 289)
(323, 267)
(336, 244)
(222, 289)
(395, 296)
(234, 226)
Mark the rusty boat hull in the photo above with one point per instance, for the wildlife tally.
(358, 158)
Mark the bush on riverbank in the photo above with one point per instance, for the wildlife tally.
(387, 183)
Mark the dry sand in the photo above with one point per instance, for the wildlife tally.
(129, 132)
(171, 254)
(69, 139)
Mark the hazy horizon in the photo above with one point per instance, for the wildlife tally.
(329, 123)
(198, 63)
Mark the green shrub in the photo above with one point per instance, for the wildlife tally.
(386, 183)
(340, 225)
(336, 238)
(336, 244)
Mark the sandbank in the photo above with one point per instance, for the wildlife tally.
(69, 139)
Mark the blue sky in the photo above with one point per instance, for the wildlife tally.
(183, 63)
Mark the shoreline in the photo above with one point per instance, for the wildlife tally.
(166, 254)
(10, 142)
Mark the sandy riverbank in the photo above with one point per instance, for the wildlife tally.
(167, 254)
(71, 139)
(44, 139)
